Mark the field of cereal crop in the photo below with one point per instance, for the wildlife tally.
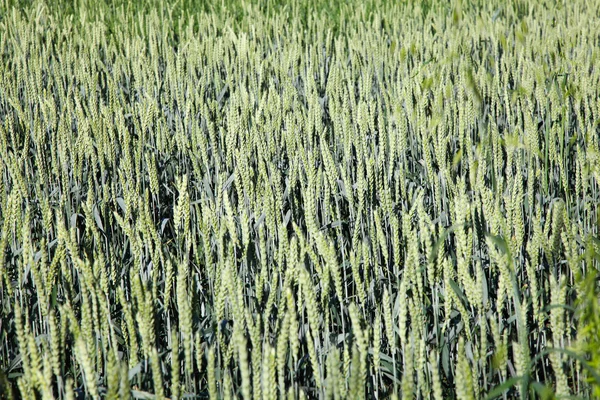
(304, 199)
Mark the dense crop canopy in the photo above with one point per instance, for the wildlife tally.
(328, 200)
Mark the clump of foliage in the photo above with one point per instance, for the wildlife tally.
(317, 199)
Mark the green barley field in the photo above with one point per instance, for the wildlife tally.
(305, 199)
